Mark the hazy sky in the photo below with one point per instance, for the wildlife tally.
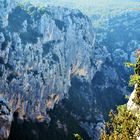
(90, 5)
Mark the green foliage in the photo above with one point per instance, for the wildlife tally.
(123, 125)
(127, 97)
(78, 137)
(137, 67)
(137, 96)
(134, 79)
(128, 64)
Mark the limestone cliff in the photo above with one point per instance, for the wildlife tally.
(48, 54)
(40, 50)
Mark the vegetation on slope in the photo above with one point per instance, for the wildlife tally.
(135, 79)
(123, 124)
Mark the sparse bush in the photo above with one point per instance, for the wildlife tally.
(123, 124)
(78, 137)
(135, 79)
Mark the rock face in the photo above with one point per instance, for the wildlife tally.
(40, 50)
(49, 54)
(131, 105)
(46, 55)
(5, 120)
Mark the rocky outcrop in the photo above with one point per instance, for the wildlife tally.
(5, 120)
(131, 105)
(134, 108)
(40, 51)
(49, 54)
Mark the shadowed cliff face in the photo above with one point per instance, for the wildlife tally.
(57, 79)
(5, 120)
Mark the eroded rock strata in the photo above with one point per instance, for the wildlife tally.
(56, 78)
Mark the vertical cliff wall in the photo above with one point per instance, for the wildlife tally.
(40, 50)
(48, 54)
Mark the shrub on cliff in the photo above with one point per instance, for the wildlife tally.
(135, 79)
(78, 137)
(123, 124)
